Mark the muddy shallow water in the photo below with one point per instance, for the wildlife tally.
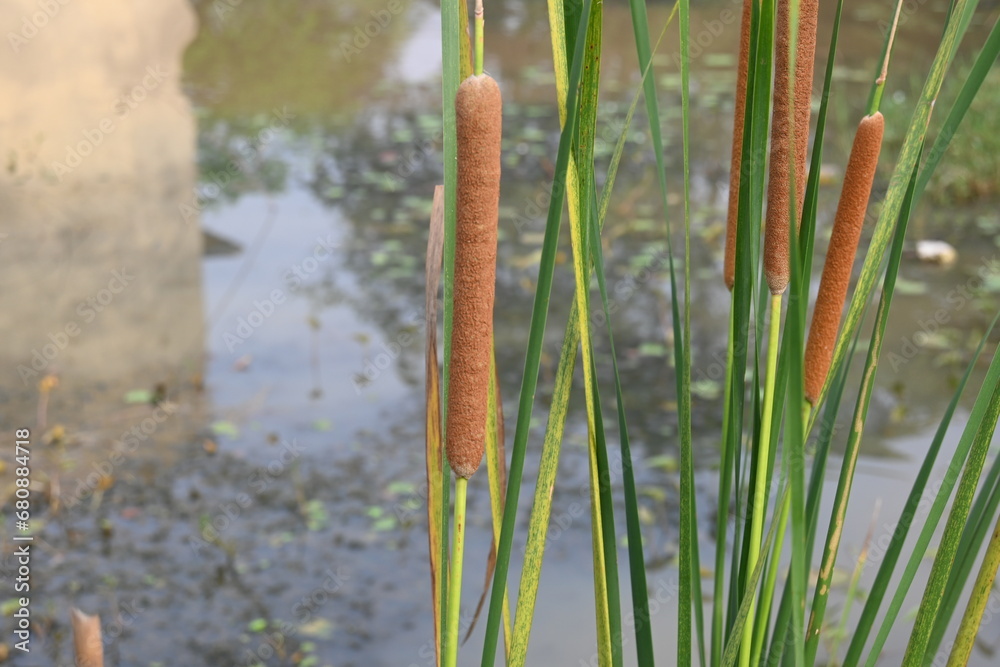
(213, 228)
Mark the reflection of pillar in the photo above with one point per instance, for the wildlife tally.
(100, 275)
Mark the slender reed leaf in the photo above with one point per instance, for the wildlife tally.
(972, 427)
(532, 360)
(948, 546)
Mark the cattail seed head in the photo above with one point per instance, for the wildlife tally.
(776, 267)
(858, 179)
(478, 119)
(729, 267)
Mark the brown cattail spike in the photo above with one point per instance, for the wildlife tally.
(478, 114)
(729, 268)
(836, 278)
(776, 268)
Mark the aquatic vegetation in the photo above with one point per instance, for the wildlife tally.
(769, 591)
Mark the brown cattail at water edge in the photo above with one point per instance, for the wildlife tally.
(735, 165)
(478, 119)
(798, 102)
(858, 179)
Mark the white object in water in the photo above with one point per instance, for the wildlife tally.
(936, 252)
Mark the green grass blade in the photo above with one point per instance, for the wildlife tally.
(892, 552)
(532, 360)
(496, 470)
(580, 193)
(750, 203)
(794, 440)
(937, 509)
(610, 541)
(732, 651)
(981, 592)
(689, 556)
(637, 564)
(541, 508)
(980, 521)
(927, 614)
(451, 72)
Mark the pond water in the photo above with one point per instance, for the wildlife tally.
(213, 229)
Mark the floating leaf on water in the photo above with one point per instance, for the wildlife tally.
(667, 462)
(334, 192)
(384, 524)
(653, 350)
(379, 258)
(401, 488)
(319, 628)
(225, 427)
(374, 511)
(707, 389)
(322, 425)
(139, 396)
(655, 492)
(316, 515)
(646, 515)
(279, 539)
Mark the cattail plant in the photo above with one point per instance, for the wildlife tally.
(847, 225)
(87, 643)
(790, 121)
(729, 267)
(478, 121)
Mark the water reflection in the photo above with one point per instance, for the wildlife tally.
(102, 276)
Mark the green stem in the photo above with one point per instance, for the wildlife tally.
(764, 444)
(767, 596)
(480, 21)
(455, 587)
(722, 520)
